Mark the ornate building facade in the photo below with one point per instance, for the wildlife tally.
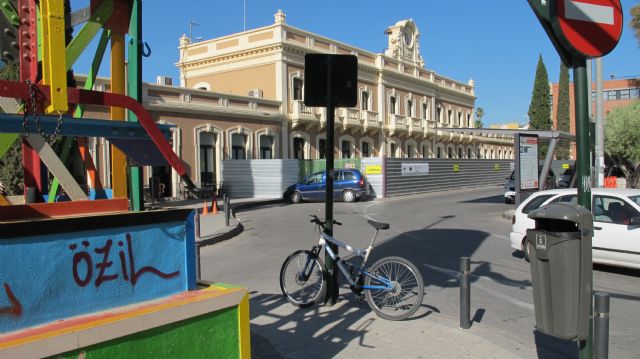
(403, 110)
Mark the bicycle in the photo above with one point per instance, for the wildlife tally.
(392, 286)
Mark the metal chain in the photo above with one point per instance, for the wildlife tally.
(34, 113)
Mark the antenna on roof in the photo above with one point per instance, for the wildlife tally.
(244, 15)
(191, 25)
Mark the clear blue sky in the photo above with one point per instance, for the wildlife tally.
(496, 43)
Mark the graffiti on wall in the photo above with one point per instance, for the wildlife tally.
(83, 262)
(52, 277)
(14, 308)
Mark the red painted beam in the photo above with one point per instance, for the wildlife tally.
(62, 209)
(88, 97)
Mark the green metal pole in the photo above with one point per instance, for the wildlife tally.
(583, 167)
(136, 199)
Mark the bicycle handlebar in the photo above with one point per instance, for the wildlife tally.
(317, 221)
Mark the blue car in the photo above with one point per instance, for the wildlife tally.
(349, 185)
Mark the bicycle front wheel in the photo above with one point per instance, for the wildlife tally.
(302, 279)
(408, 288)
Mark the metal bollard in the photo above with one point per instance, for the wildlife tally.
(227, 210)
(601, 325)
(465, 293)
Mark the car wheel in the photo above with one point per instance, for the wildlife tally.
(348, 196)
(296, 197)
(507, 200)
(525, 249)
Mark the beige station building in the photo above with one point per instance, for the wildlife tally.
(241, 97)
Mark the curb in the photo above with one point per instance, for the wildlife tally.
(238, 228)
(234, 231)
(246, 205)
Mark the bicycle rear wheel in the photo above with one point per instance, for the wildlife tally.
(406, 296)
(302, 279)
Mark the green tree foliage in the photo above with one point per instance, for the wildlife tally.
(540, 106)
(622, 141)
(562, 111)
(635, 20)
(479, 115)
(11, 174)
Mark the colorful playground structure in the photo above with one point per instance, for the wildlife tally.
(97, 275)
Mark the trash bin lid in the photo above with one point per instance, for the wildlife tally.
(563, 211)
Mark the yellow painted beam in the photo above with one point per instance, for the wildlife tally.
(54, 70)
(118, 86)
(244, 327)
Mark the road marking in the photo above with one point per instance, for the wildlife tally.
(505, 297)
(575, 10)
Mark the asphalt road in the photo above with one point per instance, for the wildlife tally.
(433, 231)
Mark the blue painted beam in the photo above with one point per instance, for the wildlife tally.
(12, 123)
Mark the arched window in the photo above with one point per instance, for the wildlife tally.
(238, 146)
(297, 89)
(265, 143)
(207, 157)
(393, 102)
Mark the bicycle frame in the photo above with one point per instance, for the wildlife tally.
(362, 253)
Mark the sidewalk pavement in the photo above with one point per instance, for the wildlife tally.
(217, 230)
(438, 337)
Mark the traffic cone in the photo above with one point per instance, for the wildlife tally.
(205, 209)
(214, 206)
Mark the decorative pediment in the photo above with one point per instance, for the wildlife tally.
(404, 42)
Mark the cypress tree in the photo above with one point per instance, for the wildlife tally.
(540, 107)
(562, 111)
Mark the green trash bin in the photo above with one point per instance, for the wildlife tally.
(561, 264)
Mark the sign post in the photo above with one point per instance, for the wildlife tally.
(581, 30)
(526, 167)
(330, 81)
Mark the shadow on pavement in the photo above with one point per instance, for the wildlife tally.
(552, 347)
(432, 250)
(492, 199)
(297, 332)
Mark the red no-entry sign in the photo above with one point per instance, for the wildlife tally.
(591, 27)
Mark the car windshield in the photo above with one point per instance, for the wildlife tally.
(635, 199)
(535, 203)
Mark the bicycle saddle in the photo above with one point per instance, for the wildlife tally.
(378, 225)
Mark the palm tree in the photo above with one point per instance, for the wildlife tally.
(479, 115)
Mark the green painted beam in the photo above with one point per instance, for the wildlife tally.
(10, 12)
(136, 195)
(79, 112)
(82, 39)
(6, 141)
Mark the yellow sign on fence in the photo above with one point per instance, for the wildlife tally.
(456, 167)
(373, 169)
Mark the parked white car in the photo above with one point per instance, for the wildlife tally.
(616, 222)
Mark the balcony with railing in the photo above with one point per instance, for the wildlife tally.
(428, 128)
(395, 124)
(302, 115)
(414, 125)
(370, 120)
(349, 118)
